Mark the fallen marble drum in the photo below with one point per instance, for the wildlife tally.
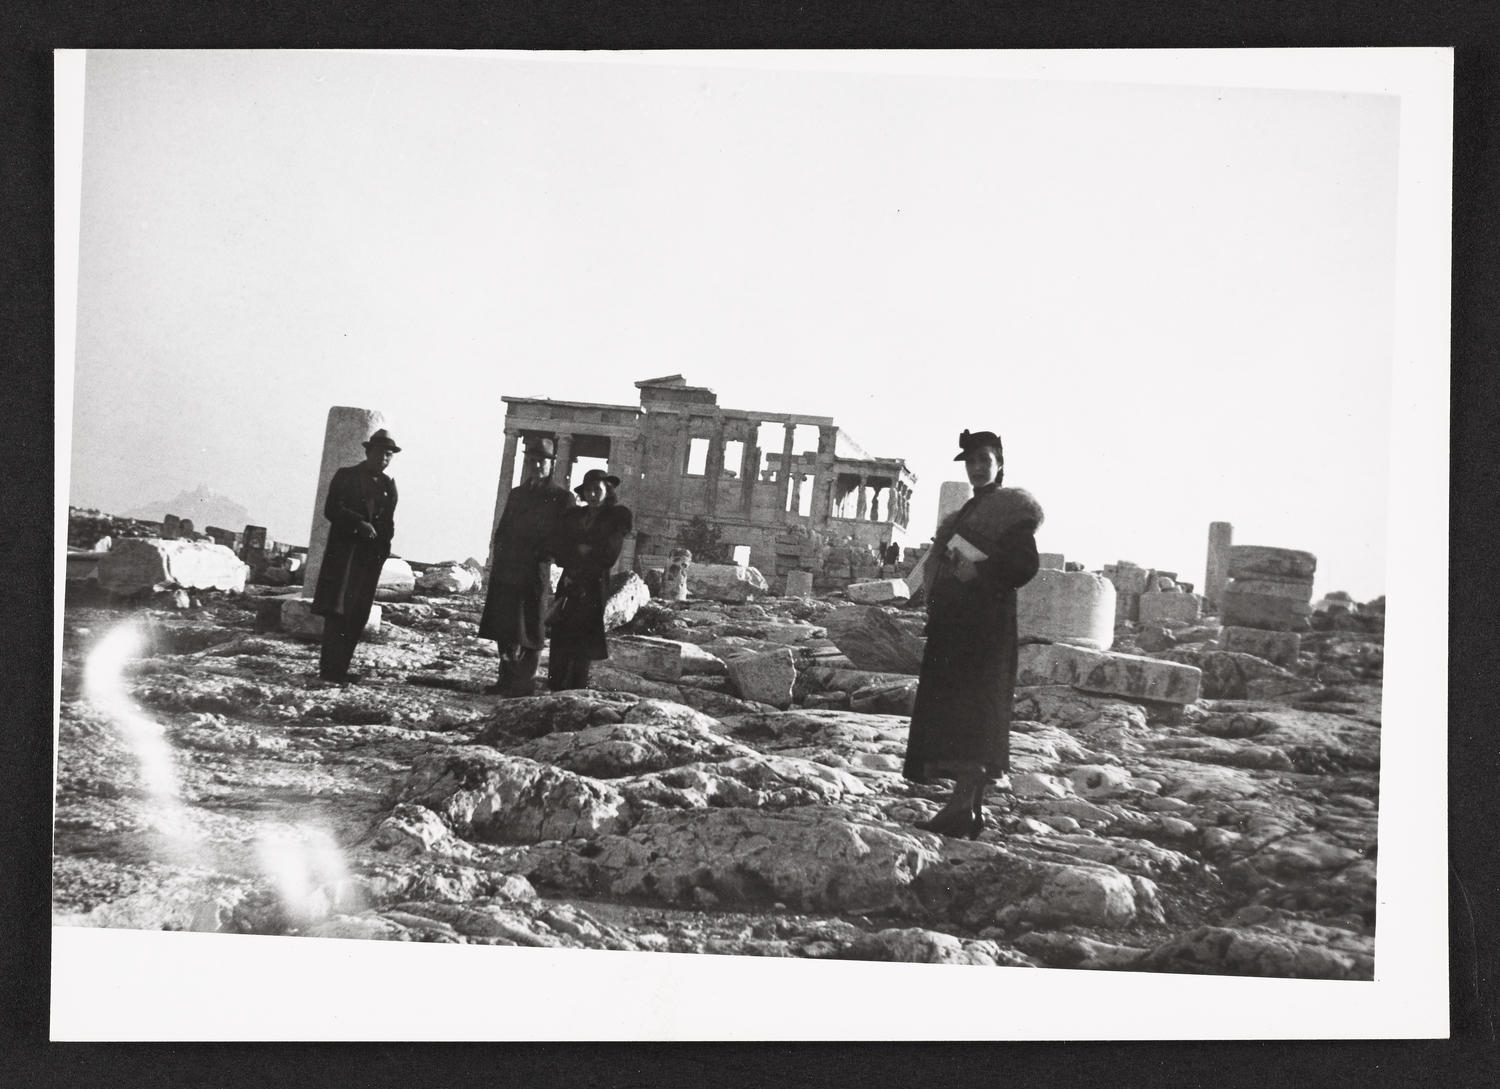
(1076, 607)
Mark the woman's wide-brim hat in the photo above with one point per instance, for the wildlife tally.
(593, 476)
(383, 440)
(970, 441)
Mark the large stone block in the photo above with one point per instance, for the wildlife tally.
(448, 578)
(879, 592)
(1264, 611)
(1280, 647)
(397, 581)
(725, 582)
(799, 583)
(765, 678)
(628, 593)
(1128, 675)
(1052, 561)
(1075, 607)
(952, 494)
(1169, 606)
(296, 618)
(1250, 561)
(1127, 606)
(137, 564)
(1295, 589)
(872, 639)
(658, 659)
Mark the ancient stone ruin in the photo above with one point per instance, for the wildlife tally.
(1193, 785)
(784, 489)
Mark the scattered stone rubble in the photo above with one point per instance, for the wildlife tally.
(1184, 798)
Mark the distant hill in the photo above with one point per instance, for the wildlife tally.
(204, 507)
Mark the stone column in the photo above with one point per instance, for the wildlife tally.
(796, 500)
(563, 465)
(861, 508)
(1216, 574)
(784, 482)
(502, 492)
(343, 444)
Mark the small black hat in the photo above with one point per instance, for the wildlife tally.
(974, 440)
(595, 475)
(382, 439)
(537, 445)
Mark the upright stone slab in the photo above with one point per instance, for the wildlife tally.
(1127, 675)
(253, 546)
(1128, 578)
(343, 444)
(1169, 605)
(1216, 570)
(1280, 647)
(657, 659)
(799, 583)
(740, 555)
(171, 527)
(1051, 561)
(952, 494)
(1076, 607)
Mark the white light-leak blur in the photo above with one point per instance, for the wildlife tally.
(307, 869)
(104, 685)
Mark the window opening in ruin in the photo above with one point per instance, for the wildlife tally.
(805, 439)
(734, 458)
(769, 437)
(697, 458)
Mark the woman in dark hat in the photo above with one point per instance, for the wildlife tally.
(588, 543)
(361, 510)
(960, 726)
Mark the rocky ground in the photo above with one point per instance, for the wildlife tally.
(206, 780)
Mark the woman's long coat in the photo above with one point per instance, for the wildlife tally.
(587, 545)
(519, 573)
(351, 565)
(961, 721)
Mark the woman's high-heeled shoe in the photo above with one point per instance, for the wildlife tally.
(958, 823)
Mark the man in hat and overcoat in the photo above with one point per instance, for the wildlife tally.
(520, 571)
(361, 510)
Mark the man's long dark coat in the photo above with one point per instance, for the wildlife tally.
(962, 715)
(520, 578)
(351, 563)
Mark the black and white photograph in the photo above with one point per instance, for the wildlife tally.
(677, 536)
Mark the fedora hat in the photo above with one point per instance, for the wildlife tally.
(382, 439)
(535, 444)
(975, 440)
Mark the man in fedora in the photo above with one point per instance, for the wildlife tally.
(361, 510)
(520, 572)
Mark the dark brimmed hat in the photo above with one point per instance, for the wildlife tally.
(970, 441)
(382, 439)
(537, 445)
(593, 476)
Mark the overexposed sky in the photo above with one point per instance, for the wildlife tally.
(1174, 302)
